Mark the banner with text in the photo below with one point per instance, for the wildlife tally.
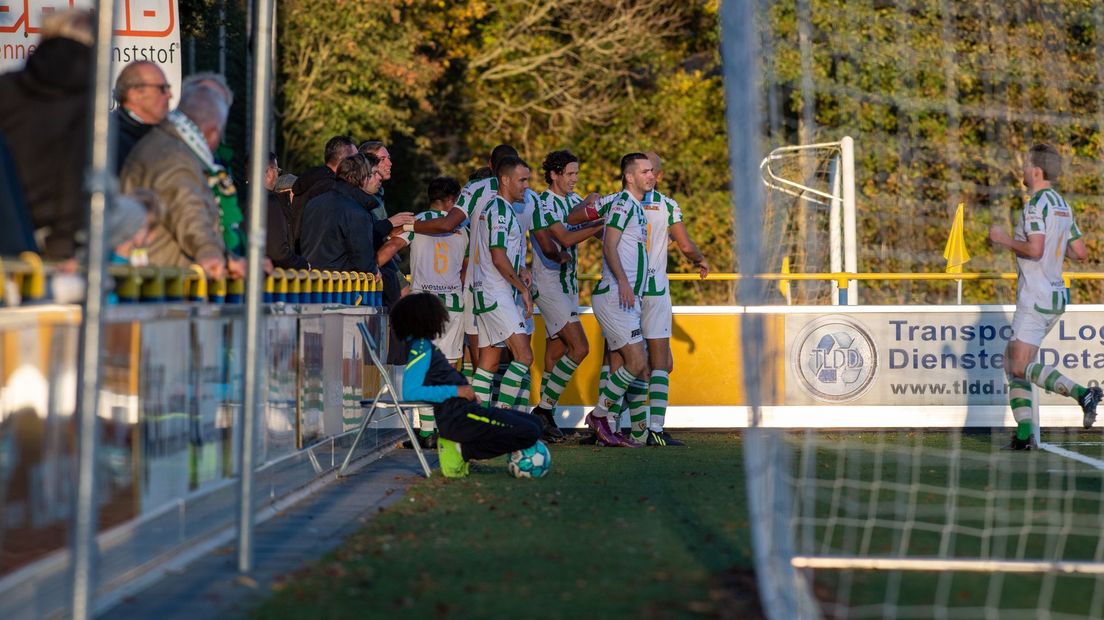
(896, 358)
(144, 30)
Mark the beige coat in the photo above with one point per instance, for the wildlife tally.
(163, 163)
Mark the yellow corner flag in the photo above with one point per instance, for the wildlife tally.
(955, 252)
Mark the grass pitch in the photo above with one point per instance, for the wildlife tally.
(609, 533)
(663, 533)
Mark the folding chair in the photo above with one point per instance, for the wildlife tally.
(386, 397)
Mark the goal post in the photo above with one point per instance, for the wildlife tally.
(810, 193)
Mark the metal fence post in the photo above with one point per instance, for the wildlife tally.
(254, 339)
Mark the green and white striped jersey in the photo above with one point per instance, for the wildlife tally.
(436, 261)
(660, 212)
(547, 273)
(495, 226)
(1040, 285)
(625, 213)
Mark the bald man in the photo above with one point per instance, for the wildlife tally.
(143, 95)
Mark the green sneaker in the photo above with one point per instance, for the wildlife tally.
(451, 459)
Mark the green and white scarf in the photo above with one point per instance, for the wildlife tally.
(218, 179)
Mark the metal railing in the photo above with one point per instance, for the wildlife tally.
(30, 276)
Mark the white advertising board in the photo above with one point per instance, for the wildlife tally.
(144, 30)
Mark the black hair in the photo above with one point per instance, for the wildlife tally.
(627, 161)
(508, 164)
(557, 161)
(335, 148)
(481, 173)
(419, 315)
(501, 152)
(443, 188)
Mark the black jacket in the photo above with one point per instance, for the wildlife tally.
(128, 131)
(337, 232)
(278, 243)
(44, 118)
(310, 185)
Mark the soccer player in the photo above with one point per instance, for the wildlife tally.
(1042, 236)
(437, 266)
(468, 429)
(496, 272)
(557, 282)
(664, 220)
(616, 299)
(475, 196)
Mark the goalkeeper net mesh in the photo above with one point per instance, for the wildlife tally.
(917, 517)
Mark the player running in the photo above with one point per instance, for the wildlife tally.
(1042, 235)
(437, 265)
(556, 278)
(616, 299)
(664, 222)
(496, 272)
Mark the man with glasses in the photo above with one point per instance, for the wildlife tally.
(143, 95)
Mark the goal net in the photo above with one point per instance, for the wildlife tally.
(877, 480)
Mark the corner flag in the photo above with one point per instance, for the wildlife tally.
(955, 252)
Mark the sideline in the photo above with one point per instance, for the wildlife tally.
(304, 526)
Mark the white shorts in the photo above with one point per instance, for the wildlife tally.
(558, 309)
(619, 326)
(469, 316)
(495, 326)
(451, 343)
(655, 316)
(1030, 326)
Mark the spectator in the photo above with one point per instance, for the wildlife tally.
(231, 215)
(44, 120)
(394, 282)
(174, 160)
(278, 243)
(17, 233)
(143, 95)
(338, 234)
(317, 181)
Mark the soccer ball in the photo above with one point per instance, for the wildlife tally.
(532, 462)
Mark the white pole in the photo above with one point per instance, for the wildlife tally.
(254, 341)
(959, 291)
(100, 183)
(850, 236)
(835, 232)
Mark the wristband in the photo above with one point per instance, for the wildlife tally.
(408, 228)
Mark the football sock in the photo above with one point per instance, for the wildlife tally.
(426, 422)
(1019, 397)
(511, 385)
(481, 385)
(526, 390)
(613, 391)
(603, 377)
(468, 370)
(554, 383)
(658, 386)
(1048, 378)
(638, 409)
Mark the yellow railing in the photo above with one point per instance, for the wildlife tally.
(137, 284)
(160, 284)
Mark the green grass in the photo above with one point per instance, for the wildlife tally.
(610, 533)
(956, 495)
(663, 533)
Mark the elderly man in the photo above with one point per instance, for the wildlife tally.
(175, 161)
(143, 95)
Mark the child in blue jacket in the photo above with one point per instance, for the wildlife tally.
(467, 430)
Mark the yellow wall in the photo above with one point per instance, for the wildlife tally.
(705, 348)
